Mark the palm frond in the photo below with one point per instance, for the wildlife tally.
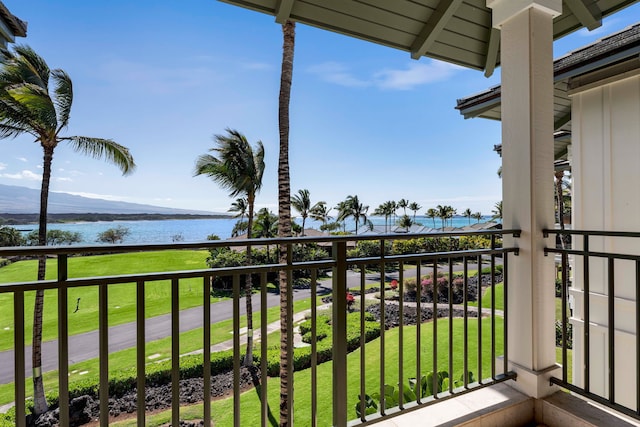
(31, 66)
(15, 115)
(36, 100)
(9, 131)
(106, 149)
(64, 97)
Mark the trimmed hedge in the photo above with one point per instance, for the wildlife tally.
(159, 373)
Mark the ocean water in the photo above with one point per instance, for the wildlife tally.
(193, 230)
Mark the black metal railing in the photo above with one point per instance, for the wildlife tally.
(600, 305)
(477, 333)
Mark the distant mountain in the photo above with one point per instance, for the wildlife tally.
(15, 199)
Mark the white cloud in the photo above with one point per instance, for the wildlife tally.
(415, 74)
(3, 166)
(334, 72)
(24, 175)
(23, 159)
(65, 179)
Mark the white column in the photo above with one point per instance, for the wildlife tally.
(527, 184)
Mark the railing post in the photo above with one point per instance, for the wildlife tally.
(340, 334)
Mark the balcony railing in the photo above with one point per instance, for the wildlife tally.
(475, 332)
(600, 294)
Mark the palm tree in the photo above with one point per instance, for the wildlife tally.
(442, 214)
(320, 212)
(415, 207)
(467, 214)
(239, 169)
(284, 225)
(302, 203)
(403, 203)
(241, 206)
(386, 209)
(433, 214)
(497, 212)
(265, 225)
(352, 207)
(477, 216)
(28, 105)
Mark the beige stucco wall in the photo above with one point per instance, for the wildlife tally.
(606, 196)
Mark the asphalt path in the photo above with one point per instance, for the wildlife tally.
(85, 346)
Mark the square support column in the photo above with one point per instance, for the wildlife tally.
(527, 184)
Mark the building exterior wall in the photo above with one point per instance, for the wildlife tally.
(606, 196)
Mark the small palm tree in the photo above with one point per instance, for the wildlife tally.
(352, 207)
(497, 211)
(433, 214)
(415, 207)
(387, 209)
(477, 216)
(302, 203)
(29, 105)
(320, 212)
(403, 203)
(467, 214)
(241, 206)
(239, 169)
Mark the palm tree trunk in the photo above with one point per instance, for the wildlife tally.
(248, 289)
(284, 225)
(39, 400)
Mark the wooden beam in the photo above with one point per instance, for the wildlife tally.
(585, 16)
(284, 11)
(561, 121)
(492, 52)
(436, 23)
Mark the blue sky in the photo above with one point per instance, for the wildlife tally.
(162, 77)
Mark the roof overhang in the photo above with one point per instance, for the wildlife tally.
(10, 26)
(616, 52)
(456, 31)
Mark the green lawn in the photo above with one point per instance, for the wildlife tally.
(122, 298)
(222, 410)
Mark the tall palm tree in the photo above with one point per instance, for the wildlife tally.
(237, 168)
(433, 214)
(415, 207)
(302, 203)
(477, 216)
(467, 214)
(36, 100)
(284, 225)
(320, 212)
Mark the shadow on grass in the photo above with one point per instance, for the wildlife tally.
(258, 387)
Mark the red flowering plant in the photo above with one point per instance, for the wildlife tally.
(393, 285)
(350, 300)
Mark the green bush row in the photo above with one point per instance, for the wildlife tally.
(159, 373)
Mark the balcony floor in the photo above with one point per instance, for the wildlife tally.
(503, 406)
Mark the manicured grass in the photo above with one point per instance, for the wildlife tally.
(122, 298)
(222, 410)
(155, 351)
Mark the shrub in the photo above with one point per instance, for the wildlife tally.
(559, 334)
